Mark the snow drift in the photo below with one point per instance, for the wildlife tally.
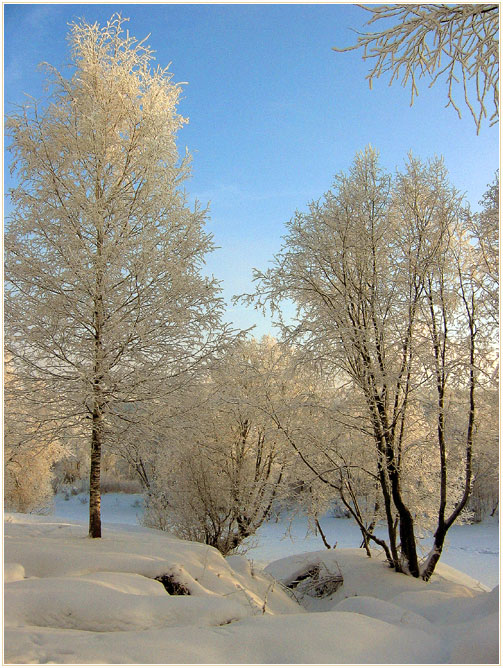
(71, 599)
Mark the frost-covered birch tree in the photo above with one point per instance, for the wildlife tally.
(106, 306)
(381, 272)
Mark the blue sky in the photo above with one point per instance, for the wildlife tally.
(274, 112)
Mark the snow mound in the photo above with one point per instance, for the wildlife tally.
(71, 599)
(369, 577)
(329, 638)
(474, 641)
(385, 611)
(61, 555)
(112, 602)
(13, 572)
(449, 607)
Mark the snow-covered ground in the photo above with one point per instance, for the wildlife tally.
(71, 599)
(115, 508)
(471, 548)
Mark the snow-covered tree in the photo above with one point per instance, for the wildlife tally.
(224, 464)
(106, 304)
(484, 226)
(322, 425)
(458, 42)
(382, 275)
(484, 500)
(31, 447)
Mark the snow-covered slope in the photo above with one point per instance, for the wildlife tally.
(454, 609)
(71, 599)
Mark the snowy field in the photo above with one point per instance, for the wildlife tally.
(473, 549)
(69, 599)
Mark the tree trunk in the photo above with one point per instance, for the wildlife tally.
(406, 523)
(323, 537)
(390, 471)
(408, 541)
(383, 479)
(98, 403)
(94, 479)
(434, 556)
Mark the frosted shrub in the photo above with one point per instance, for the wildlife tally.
(27, 481)
(226, 464)
(31, 447)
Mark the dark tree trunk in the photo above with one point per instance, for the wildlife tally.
(438, 544)
(406, 522)
(98, 402)
(94, 479)
(408, 541)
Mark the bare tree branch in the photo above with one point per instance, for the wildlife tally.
(458, 42)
